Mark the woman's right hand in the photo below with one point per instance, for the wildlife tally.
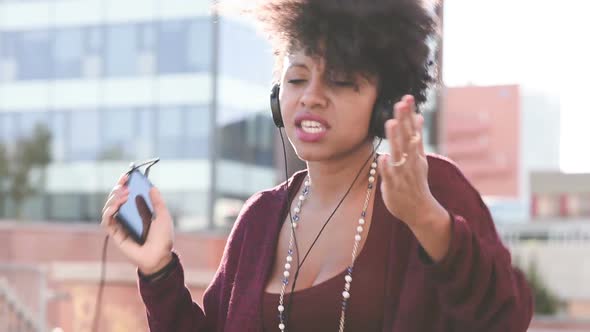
(156, 251)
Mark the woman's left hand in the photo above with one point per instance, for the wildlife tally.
(404, 184)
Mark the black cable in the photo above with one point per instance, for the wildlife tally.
(98, 303)
(299, 265)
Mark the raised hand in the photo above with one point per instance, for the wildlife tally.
(404, 172)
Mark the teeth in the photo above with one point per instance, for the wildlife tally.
(312, 130)
(313, 127)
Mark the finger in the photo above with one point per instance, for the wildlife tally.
(115, 195)
(111, 209)
(420, 141)
(413, 128)
(123, 179)
(118, 233)
(411, 103)
(403, 113)
(157, 201)
(127, 244)
(385, 169)
(393, 137)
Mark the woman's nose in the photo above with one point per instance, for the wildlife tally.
(314, 94)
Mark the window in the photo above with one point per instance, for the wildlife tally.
(184, 46)
(33, 54)
(8, 128)
(146, 133)
(121, 50)
(170, 132)
(68, 53)
(119, 134)
(59, 138)
(7, 45)
(29, 121)
(93, 65)
(197, 125)
(84, 133)
(146, 46)
(198, 44)
(94, 40)
(238, 38)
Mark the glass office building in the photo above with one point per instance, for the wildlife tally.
(119, 81)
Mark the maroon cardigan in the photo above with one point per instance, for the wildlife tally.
(474, 288)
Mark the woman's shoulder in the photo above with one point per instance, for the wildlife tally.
(445, 175)
(274, 195)
(440, 166)
(266, 205)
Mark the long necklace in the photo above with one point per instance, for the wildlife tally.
(357, 239)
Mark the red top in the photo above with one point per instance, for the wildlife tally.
(318, 308)
(474, 287)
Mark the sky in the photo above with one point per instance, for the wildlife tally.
(539, 44)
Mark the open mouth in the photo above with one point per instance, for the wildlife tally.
(312, 127)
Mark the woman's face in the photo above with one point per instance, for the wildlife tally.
(326, 116)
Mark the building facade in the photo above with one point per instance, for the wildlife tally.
(120, 81)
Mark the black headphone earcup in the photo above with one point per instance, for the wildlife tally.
(382, 111)
(275, 106)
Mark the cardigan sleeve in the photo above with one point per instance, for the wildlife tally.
(169, 305)
(476, 283)
(168, 301)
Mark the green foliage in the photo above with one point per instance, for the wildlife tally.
(546, 302)
(16, 163)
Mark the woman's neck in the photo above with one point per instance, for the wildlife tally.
(330, 179)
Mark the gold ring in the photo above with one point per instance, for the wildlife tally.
(401, 161)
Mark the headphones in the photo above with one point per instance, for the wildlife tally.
(382, 111)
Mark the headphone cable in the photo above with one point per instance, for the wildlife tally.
(98, 304)
(300, 264)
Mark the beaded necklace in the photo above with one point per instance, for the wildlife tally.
(357, 239)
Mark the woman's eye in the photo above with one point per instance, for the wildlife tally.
(343, 83)
(296, 81)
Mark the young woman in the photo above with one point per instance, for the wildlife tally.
(357, 242)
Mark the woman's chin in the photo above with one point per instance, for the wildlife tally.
(313, 152)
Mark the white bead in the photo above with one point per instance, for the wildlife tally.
(357, 238)
(287, 266)
(307, 183)
(295, 224)
(289, 258)
(348, 279)
(296, 209)
(286, 274)
(361, 221)
(282, 326)
(347, 287)
(359, 229)
(345, 294)
(371, 179)
(372, 172)
(374, 165)
(281, 308)
(301, 197)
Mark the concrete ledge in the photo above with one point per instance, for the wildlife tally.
(116, 273)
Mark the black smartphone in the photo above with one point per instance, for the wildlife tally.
(136, 214)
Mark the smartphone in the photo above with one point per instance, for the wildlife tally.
(136, 214)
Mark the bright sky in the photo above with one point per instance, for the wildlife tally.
(525, 42)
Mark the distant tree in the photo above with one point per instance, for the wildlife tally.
(16, 164)
(546, 302)
(113, 152)
(4, 177)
